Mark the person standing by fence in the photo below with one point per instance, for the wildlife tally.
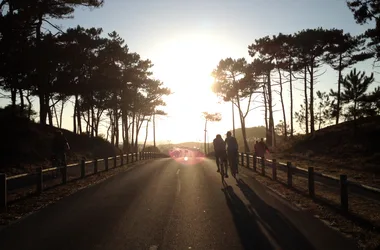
(260, 149)
(59, 148)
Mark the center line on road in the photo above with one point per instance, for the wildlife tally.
(154, 247)
(178, 171)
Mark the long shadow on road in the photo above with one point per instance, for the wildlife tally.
(281, 229)
(250, 234)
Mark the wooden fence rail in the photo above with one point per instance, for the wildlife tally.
(342, 183)
(39, 178)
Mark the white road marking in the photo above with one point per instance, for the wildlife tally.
(154, 247)
(178, 183)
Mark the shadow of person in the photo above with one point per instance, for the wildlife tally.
(249, 232)
(280, 228)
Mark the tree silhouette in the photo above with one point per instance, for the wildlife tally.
(267, 53)
(234, 82)
(215, 117)
(96, 72)
(365, 11)
(344, 51)
(355, 86)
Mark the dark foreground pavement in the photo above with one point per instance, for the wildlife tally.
(172, 206)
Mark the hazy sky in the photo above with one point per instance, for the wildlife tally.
(186, 39)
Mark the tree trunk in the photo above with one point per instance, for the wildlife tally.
(133, 131)
(29, 106)
(40, 80)
(127, 134)
(79, 118)
(291, 103)
(117, 139)
(154, 129)
(242, 123)
(88, 126)
(108, 130)
(92, 120)
(13, 100)
(139, 123)
(74, 116)
(61, 113)
(306, 103)
(312, 123)
(146, 134)
(205, 139)
(55, 114)
(49, 110)
(270, 109)
(123, 131)
(233, 119)
(22, 104)
(265, 109)
(112, 125)
(339, 84)
(283, 106)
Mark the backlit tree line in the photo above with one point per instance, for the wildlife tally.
(288, 59)
(96, 72)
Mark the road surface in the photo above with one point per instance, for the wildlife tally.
(169, 205)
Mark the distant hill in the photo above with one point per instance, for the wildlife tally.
(253, 133)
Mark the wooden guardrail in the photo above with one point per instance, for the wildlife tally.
(344, 185)
(40, 177)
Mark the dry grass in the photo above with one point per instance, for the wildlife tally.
(360, 206)
(354, 168)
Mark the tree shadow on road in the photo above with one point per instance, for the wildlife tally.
(250, 234)
(281, 229)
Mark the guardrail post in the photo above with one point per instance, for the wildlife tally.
(311, 182)
(95, 162)
(121, 160)
(263, 166)
(82, 168)
(39, 180)
(344, 192)
(247, 160)
(274, 169)
(254, 162)
(3, 192)
(114, 161)
(106, 163)
(127, 158)
(289, 172)
(242, 158)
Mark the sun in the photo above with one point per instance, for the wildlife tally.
(184, 65)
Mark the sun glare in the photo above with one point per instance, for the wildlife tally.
(186, 68)
(185, 65)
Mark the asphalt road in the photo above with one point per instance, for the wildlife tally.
(169, 205)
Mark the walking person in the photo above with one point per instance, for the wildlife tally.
(232, 153)
(220, 152)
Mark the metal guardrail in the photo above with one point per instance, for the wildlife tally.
(36, 180)
(346, 186)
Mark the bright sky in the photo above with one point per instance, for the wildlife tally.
(186, 39)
